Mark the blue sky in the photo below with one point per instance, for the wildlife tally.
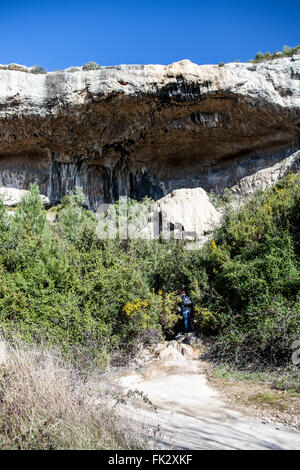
(57, 34)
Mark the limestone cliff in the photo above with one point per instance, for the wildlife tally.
(147, 129)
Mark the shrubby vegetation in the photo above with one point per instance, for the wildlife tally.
(59, 283)
(252, 277)
(91, 66)
(73, 69)
(263, 57)
(21, 68)
(37, 69)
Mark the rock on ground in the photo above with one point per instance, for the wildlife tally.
(13, 196)
(185, 214)
(139, 130)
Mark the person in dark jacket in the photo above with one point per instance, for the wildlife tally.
(185, 308)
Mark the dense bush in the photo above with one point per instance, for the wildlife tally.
(253, 276)
(91, 66)
(61, 283)
(286, 52)
(37, 69)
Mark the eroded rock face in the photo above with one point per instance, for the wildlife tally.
(267, 177)
(147, 129)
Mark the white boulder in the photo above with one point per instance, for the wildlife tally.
(185, 214)
(13, 196)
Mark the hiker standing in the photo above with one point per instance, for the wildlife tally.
(185, 308)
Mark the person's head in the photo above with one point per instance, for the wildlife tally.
(182, 292)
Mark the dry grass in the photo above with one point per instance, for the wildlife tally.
(47, 404)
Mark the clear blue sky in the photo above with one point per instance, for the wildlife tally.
(57, 34)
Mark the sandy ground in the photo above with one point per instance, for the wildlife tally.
(191, 415)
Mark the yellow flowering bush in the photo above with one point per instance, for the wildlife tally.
(204, 319)
(138, 311)
(158, 311)
(168, 308)
(217, 253)
(213, 247)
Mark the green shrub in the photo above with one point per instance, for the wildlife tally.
(91, 66)
(31, 213)
(254, 271)
(286, 52)
(221, 199)
(37, 69)
(259, 56)
(73, 69)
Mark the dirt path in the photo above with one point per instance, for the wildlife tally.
(190, 415)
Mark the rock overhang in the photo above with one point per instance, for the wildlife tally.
(146, 129)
